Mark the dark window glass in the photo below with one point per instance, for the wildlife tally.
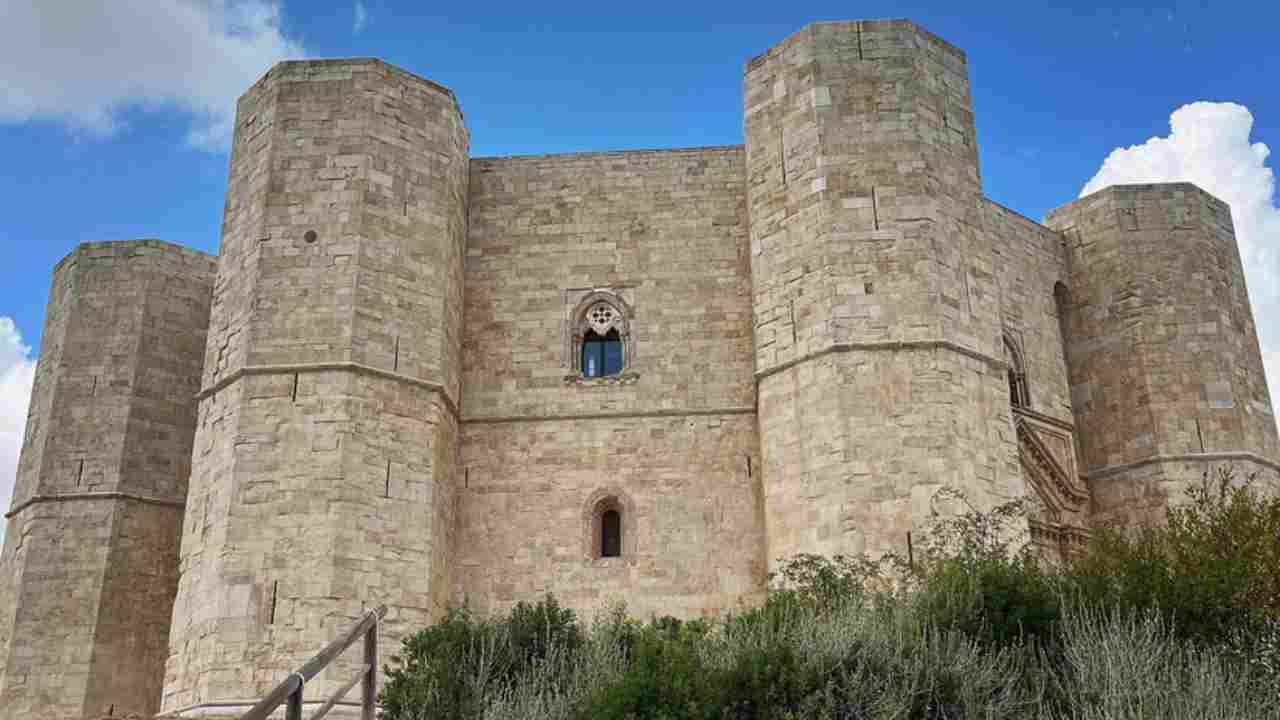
(610, 534)
(601, 355)
(1018, 395)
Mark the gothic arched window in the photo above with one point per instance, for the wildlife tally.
(1019, 396)
(601, 336)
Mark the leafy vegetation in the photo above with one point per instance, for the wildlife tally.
(1179, 620)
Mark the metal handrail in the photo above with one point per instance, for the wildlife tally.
(289, 692)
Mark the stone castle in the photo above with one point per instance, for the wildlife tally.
(418, 378)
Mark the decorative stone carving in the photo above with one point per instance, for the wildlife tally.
(1064, 500)
(600, 311)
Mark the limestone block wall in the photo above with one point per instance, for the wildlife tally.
(323, 465)
(90, 563)
(673, 438)
(878, 322)
(1032, 276)
(1030, 261)
(1166, 373)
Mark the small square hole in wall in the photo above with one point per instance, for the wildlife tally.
(869, 288)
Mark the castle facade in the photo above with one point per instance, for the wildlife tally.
(418, 378)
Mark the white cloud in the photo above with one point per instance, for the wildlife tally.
(83, 63)
(1209, 146)
(17, 370)
(362, 18)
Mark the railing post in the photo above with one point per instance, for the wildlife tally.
(369, 686)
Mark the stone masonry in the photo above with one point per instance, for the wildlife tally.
(379, 396)
(90, 562)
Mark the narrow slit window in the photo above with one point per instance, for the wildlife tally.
(1019, 393)
(611, 534)
(1017, 389)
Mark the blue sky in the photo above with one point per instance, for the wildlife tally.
(114, 115)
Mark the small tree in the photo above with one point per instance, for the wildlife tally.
(980, 575)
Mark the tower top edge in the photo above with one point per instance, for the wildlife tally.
(1132, 189)
(331, 68)
(587, 154)
(134, 248)
(874, 24)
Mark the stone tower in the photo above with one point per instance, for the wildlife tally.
(1166, 373)
(90, 559)
(880, 377)
(322, 474)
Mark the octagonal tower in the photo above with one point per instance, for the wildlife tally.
(322, 473)
(1167, 379)
(90, 561)
(881, 374)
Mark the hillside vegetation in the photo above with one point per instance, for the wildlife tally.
(1181, 620)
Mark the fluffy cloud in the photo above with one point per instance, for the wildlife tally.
(17, 370)
(83, 63)
(1208, 145)
(362, 18)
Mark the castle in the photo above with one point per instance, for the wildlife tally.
(418, 378)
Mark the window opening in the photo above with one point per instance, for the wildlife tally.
(1017, 389)
(601, 354)
(611, 534)
(1019, 397)
(601, 337)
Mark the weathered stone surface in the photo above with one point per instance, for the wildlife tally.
(819, 329)
(674, 443)
(90, 560)
(877, 303)
(1166, 374)
(322, 475)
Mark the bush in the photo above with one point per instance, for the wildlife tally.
(1131, 664)
(979, 575)
(449, 670)
(1212, 568)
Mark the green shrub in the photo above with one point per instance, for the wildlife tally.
(449, 670)
(828, 583)
(1212, 568)
(438, 669)
(664, 677)
(978, 574)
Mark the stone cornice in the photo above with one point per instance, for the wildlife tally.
(994, 362)
(340, 366)
(1103, 472)
(38, 499)
(607, 415)
(286, 369)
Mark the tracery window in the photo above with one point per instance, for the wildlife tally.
(601, 336)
